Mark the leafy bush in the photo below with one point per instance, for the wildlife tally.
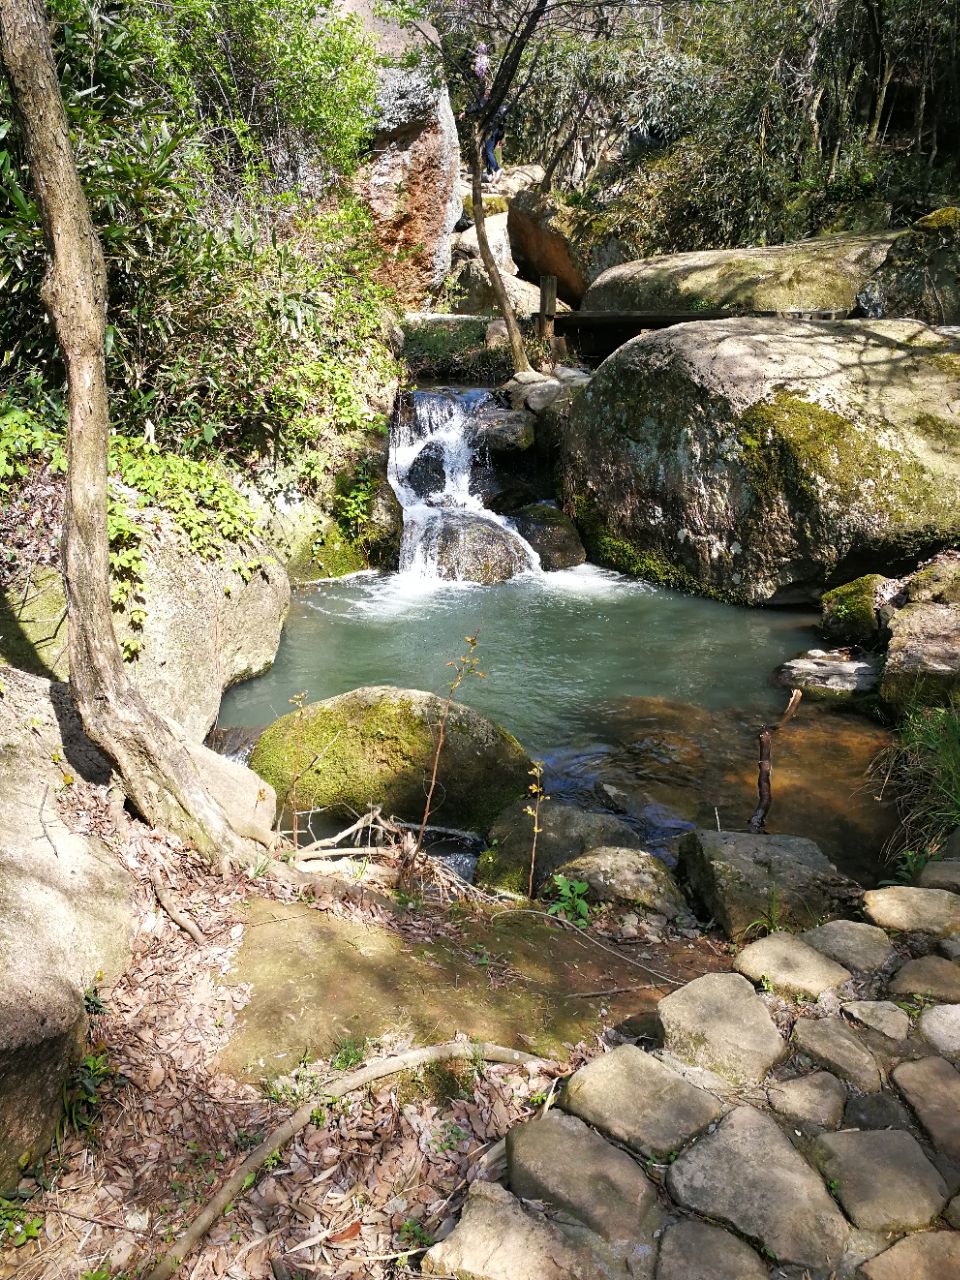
(211, 139)
(924, 767)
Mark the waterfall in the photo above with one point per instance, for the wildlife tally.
(448, 533)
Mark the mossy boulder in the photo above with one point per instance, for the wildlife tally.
(759, 460)
(923, 658)
(850, 611)
(376, 745)
(552, 534)
(566, 832)
(920, 276)
(628, 877)
(937, 582)
(811, 275)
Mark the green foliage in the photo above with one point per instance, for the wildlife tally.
(924, 767)
(353, 505)
(351, 1052)
(413, 1235)
(83, 1094)
(570, 899)
(211, 139)
(17, 1226)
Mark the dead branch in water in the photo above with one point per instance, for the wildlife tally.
(765, 767)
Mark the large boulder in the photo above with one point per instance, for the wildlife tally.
(412, 182)
(756, 882)
(920, 276)
(471, 548)
(66, 903)
(923, 657)
(759, 460)
(208, 623)
(377, 745)
(472, 293)
(813, 275)
(467, 245)
(542, 237)
(565, 833)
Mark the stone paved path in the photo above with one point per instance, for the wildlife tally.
(799, 1120)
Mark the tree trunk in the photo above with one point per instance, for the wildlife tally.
(519, 356)
(159, 775)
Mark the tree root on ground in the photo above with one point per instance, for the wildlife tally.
(245, 1174)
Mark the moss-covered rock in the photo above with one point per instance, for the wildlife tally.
(552, 534)
(812, 275)
(920, 277)
(566, 832)
(376, 745)
(937, 582)
(756, 460)
(850, 611)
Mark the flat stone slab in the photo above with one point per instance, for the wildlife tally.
(748, 1175)
(932, 1088)
(738, 877)
(695, 1251)
(933, 976)
(719, 1022)
(941, 874)
(934, 1255)
(830, 673)
(862, 947)
(882, 1179)
(559, 1160)
(790, 966)
(496, 1240)
(879, 1015)
(911, 910)
(940, 1026)
(876, 1111)
(832, 1044)
(817, 1099)
(638, 1101)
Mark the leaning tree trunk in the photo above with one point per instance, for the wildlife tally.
(159, 775)
(519, 356)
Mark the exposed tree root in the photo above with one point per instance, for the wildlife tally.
(173, 911)
(244, 1175)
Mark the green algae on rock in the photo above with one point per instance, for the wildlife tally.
(376, 745)
(850, 611)
(757, 460)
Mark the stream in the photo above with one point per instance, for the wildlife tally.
(639, 700)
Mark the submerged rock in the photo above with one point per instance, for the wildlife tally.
(758, 459)
(552, 535)
(376, 745)
(566, 832)
(818, 275)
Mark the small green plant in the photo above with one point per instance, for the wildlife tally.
(92, 1003)
(351, 1051)
(16, 1225)
(570, 899)
(83, 1094)
(538, 796)
(414, 1235)
(771, 921)
(449, 1137)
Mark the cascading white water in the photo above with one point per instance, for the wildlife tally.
(448, 533)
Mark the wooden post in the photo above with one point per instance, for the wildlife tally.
(548, 307)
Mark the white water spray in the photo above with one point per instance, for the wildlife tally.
(448, 533)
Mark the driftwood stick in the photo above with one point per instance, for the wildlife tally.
(173, 911)
(243, 1176)
(765, 764)
(330, 842)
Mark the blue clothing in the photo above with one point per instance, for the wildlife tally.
(490, 155)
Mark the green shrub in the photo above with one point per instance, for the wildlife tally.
(924, 767)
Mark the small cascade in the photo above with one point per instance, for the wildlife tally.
(448, 533)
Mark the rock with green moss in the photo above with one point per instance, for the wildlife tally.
(755, 460)
(850, 611)
(812, 275)
(937, 582)
(566, 832)
(377, 745)
(552, 534)
(628, 877)
(920, 276)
